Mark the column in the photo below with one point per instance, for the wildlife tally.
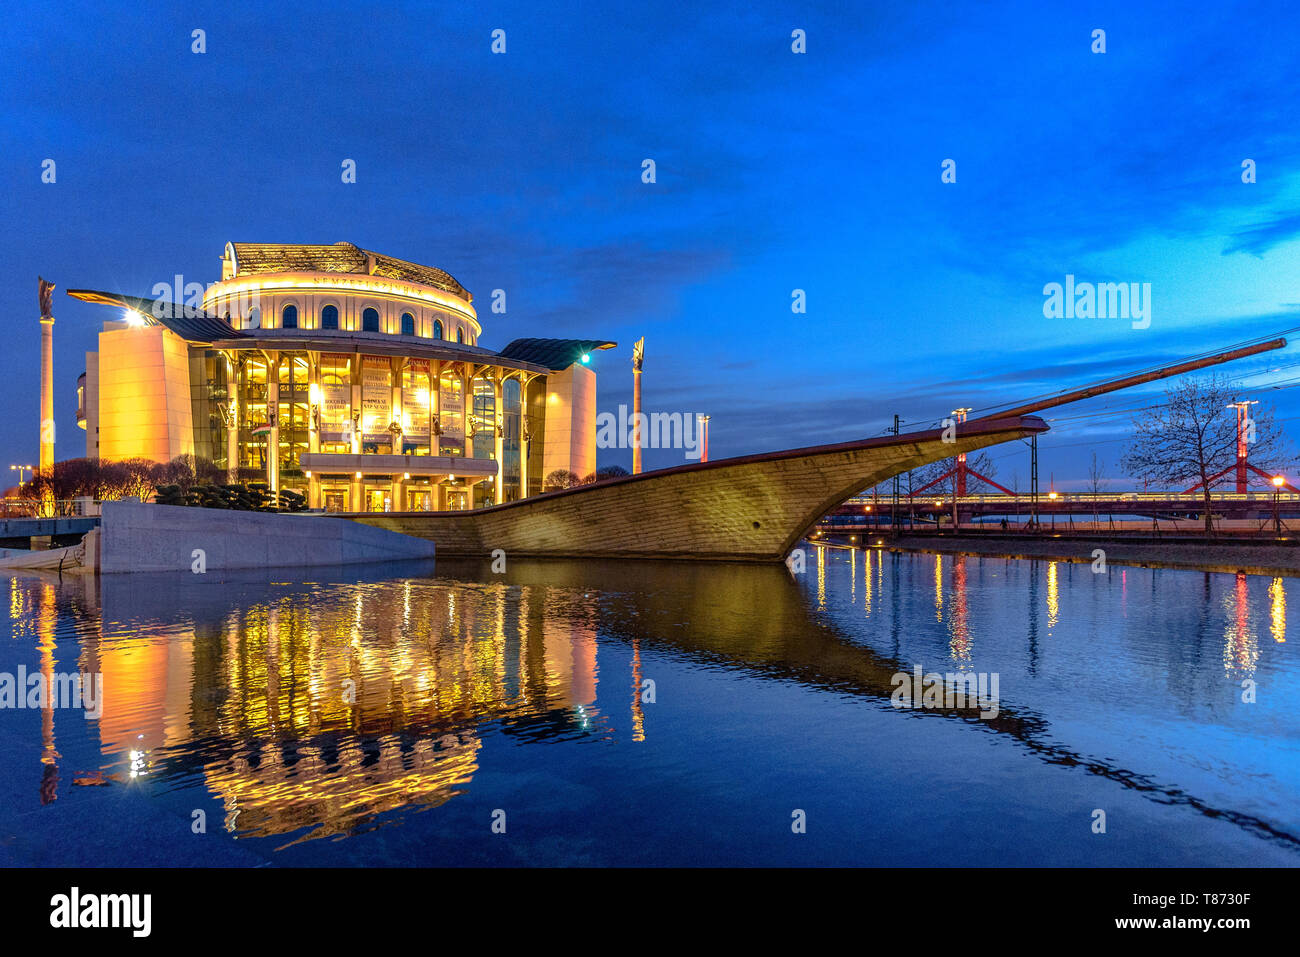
(395, 402)
(47, 396)
(524, 442)
(232, 425)
(435, 409)
(498, 431)
(273, 417)
(355, 503)
(315, 400)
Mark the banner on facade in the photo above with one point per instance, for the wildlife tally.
(376, 399)
(336, 394)
(415, 399)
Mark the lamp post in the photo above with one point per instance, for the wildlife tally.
(20, 469)
(1052, 497)
(1278, 482)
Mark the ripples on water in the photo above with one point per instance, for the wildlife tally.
(290, 712)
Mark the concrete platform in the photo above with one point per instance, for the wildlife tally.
(161, 538)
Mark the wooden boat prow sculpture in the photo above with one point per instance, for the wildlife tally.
(750, 508)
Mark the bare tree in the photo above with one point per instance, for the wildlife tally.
(1096, 482)
(559, 479)
(1193, 436)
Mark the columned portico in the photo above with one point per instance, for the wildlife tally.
(446, 478)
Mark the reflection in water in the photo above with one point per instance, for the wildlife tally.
(866, 578)
(959, 647)
(938, 588)
(320, 708)
(45, 617)
(324, 708)
(1053, 597)
(1277, 609)
(821, 576)
(638, 712)
(1240, 648)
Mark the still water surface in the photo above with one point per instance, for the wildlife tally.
(521, 697)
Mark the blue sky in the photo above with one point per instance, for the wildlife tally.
(775, 171)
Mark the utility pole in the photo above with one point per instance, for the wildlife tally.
(893, 505)
(1033, 481)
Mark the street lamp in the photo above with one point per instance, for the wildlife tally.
(1278, 482)
(20, 469)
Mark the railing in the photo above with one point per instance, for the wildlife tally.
(1192, 498)
(50, 508)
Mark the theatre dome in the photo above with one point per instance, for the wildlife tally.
(339, 287)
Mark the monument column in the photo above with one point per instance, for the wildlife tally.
(46, 291)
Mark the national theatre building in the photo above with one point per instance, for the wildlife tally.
(350, 376)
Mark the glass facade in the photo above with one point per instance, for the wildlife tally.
(294, 382)
(365, 405)
(209, 399)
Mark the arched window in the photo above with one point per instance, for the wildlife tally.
(289, 317)
(437, 328)
(370, 320)
(460, 335)
(408, 324)
(329, 317)
(254, 318)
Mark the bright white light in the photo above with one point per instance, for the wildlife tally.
(132, 317)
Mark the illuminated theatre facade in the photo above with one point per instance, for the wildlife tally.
(350, 376)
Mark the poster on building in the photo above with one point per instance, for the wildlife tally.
(336, 394)
(415, 401)
(376, 399)
(452, 407)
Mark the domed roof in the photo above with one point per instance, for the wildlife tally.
(342, 257)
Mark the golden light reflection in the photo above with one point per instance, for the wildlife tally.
(322, 710)
(821, 576)
(938, 588)
(638, 709)
(1053, 597)
(1277, 609)
(866, 580)
(46, 619)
